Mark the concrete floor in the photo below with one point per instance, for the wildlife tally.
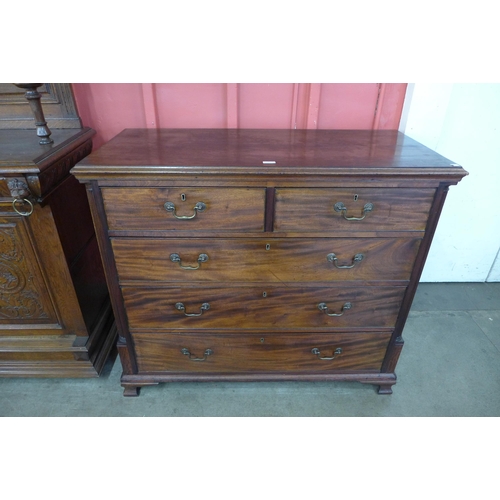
(450, 366)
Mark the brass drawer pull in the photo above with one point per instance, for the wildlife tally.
(331, 257)
(317, 352)
(175, 257)
(199, 207)
(323, 307)
(208, 352)
(340, 207)
(24, 200)
(204, 307)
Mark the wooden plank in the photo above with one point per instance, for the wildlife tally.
(232, 105)
(313, 105)
(150, 105)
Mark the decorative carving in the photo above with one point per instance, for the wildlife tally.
(19, 298)
(18, 188)
(10, 279)
(59, 170)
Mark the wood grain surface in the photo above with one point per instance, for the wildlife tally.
(255, 352)
(232, 209)
(263, 260)
(354, 149)
(267, 307)
(313, 209)
(26, 304)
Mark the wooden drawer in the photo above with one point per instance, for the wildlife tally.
(225, 209)
(264, 260)
(252, 353)
(268, 306)
(310, 210)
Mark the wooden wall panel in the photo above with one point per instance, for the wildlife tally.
(347, 105)
(191, 105)
(109, 108)
(390, 106)
(265, 105)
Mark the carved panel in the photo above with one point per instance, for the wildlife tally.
(57, 101)
(21, 296)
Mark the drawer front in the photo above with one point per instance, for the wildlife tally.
(225, 353)
(264, 260)
(270, 307)
(225, 209)
(307, 210)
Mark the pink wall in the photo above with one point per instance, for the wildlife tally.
(111, 107)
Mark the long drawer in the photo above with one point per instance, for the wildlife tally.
(268, 306)
(370, 209)
(185, 209)
(226, 353)
(264, 260)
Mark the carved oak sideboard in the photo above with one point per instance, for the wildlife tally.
(263, 254)
(55, 314)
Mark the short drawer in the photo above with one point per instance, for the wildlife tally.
(250, 353)
(364, 209)
(185, 209)
(267, 306)
(264, 260)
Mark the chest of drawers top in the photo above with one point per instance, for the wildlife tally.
(256, 152)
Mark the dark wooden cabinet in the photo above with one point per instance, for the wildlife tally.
(55, 314)
(263, 254)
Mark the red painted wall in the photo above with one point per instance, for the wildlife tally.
(110, 107)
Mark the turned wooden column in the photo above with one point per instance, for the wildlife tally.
(33, 97)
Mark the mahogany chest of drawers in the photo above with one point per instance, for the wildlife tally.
(263, 254)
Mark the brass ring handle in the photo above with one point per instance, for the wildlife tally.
(323, 307)
(331, 257)
(340, 207)
(208, 352)
(317, 352)
(204, 307)
(170, 207)
(175, 257)
(24, 214)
